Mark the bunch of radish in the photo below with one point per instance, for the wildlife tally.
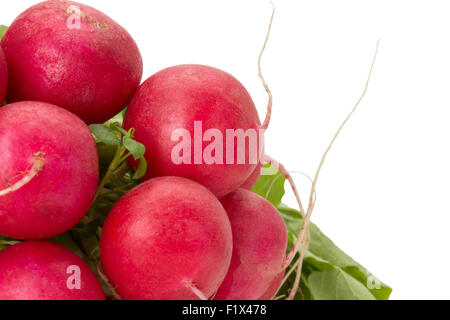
(186, 226)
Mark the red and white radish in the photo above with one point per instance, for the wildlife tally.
(169, 238)
(196, 105)
(73, 56)
(259, 246)
(48, 170)
(40, 270)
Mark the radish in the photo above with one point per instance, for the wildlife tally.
(184, 114)
(48, 170)
(253, 179)
(40, 270)
(168, 238)
(259, 246)
(3, 77)
(73, 56)
(273, 288)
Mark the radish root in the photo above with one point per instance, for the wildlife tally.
(105, 279)
(266, 123)
(196, 291)
(302, 242)
(37, 166)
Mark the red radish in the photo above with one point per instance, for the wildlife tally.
(73, 56)
(254, 178)
(259, 246)
(40, 270)
(273, 288)
(176, 99)
(169, 238)
(48, 170)
(3, 77)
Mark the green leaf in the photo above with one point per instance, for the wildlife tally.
(271, 187)
(2, 31)
(67, 241)
(141, 170)
(104, 134)
(336, 285)
(137, 149)
(118, 119)
(326, 263)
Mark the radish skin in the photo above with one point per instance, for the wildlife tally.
(253, 179)
(92, 69)
(273, 288)
(167, 239)
(259, 246)
(178, 97)
(40, 270)
(48, 170)
(3, 77)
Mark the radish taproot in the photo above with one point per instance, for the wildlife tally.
(48, 170)
(41, 270)
(169, 238)
(3, 77)
(73, 56)
(189, 117)
(259, 246)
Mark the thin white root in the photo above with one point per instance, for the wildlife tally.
(301, 244)
(37, 166)
(196, 291)
(296, 285)
(266, 123)
(295, 265)
(107, 282)
(289, 178)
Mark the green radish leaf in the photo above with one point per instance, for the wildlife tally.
(104, 134)
(141, 170)
(271, 187)
(337, 285)
(117, 119)
(66, 240)
(328, 272)
(2, 31)
(137, 149)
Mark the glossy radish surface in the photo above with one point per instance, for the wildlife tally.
(259, 246)
(48, 170)
(73, 56)
(176, 99)
(40, 270)
(166, 239)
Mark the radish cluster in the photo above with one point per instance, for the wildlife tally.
(190, 230)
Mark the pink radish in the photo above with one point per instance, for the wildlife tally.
(184, 103)
(46, 271)
(73, 56)
(48, 170)
(253, 179)
(273, 288)
(259, 246)
(169, 238)
(3, 77)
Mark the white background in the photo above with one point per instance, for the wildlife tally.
(383, 195)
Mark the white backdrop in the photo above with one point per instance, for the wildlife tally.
(383, 196)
